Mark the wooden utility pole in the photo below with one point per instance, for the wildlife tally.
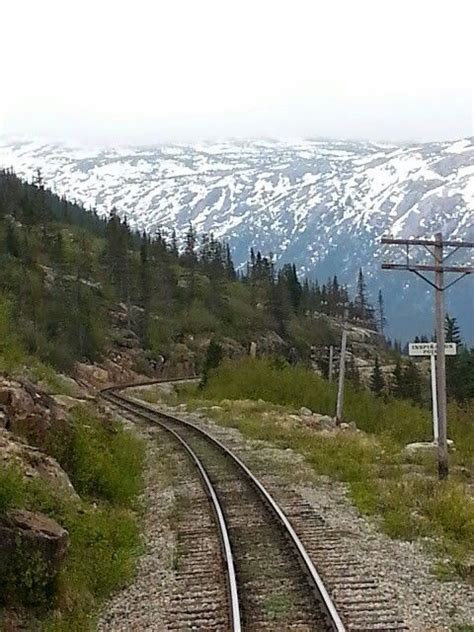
(342, 369)
(331, 362)
(443, 467)
(436, 249)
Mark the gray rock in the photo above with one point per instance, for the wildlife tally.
(34, 464)
(327, 419)
(305, 412)
(31, 538)
(296, 418)
(423, 447)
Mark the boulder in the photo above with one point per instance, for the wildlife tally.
(271, 344)
(305, 412)
(32, 549)
(33, 463)
(421, 447)
(326, 419)
(33, 427)
(309, 420)
(40, 532)
(327, 423)
(18, 399)
(28, 411)
(91, 374)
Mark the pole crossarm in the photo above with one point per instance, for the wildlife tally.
(426, 242)
(427, 268)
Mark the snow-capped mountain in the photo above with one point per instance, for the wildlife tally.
(323, 204)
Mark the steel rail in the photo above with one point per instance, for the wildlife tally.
(235, 616)
(315, 579)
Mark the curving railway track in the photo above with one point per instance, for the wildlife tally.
(271, 582)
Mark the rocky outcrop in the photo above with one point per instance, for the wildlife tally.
(29, 412)
(91, 374)
(34, 464)
(32, 549)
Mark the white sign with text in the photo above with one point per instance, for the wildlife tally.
(429, 348)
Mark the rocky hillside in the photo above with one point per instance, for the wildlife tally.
(321, 204)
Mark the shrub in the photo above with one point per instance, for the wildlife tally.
(12, 353)
(295, 386)
(103, 459)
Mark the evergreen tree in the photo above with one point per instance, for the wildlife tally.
(412, 383)
(377, 380)
(382, 321)
(190, 255)
(213, 358)
(229, 264)
(12, 244)
(452, 331)
(407, 382)
(174, 244)
(361, 296)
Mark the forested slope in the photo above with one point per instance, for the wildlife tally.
(64, 272)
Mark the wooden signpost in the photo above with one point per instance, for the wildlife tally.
(430, 349)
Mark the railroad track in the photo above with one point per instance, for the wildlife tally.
(271, 582)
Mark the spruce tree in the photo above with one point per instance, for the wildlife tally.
(412, 383)
(382, 321)
(397, 382)
(214, 355)
(452, 331)
(377, 381)
(361, 297)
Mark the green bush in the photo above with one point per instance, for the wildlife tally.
(11, 487)
(12, 353)
(104, 542)
(294, 386)
(103, 460)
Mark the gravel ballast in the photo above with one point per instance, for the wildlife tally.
(402, 570)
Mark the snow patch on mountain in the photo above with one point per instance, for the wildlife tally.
(323, 204)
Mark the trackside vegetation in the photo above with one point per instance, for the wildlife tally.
(399, 489)
(105, 464)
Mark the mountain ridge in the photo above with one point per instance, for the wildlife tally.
(323, 204)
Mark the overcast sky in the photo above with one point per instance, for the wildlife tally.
(155, 71)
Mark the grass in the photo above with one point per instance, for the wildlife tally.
(403, 492)
(54, 382)
(277, 606)
(105, 463)
(103, 459)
